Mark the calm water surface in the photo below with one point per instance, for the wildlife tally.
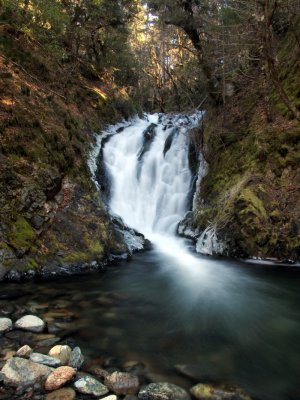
(234, 322)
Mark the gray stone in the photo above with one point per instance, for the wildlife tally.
(76, 358)
(5, 325)
(163, 391)
(21, 372)
(90, 386)
(122, 383)
(30, 323)
(46, 360)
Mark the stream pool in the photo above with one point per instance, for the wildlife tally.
(229, 321)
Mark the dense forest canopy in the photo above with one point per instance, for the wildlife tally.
(168, 54)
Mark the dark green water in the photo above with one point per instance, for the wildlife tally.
(235, 322)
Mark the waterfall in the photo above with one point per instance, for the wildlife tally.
(148, 167)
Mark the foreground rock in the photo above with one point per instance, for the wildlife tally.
(46, 360)
(90, 386)
(21, 372)
(122, 383)
(62, 353)
(62, 394)
(163, 391)
(5, 325)
(59, 378)
(213, 392)
(24, 351)
(30, 323)
(76, 358)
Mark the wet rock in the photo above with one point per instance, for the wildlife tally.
(76, 358)
(5, 325)
(194, 372)
(61, 352)
(111, 397)
(59, 378)
(122, 383)
(213, 392)
(90, 386)
(21, 372)
(20, 337)
(163, 391)
(136, 368)
(7, 309)
(48, 342)
(24, 351)
(9, 354)
(30, 323)
(46, 360)
(130, 397)
(98, 372)
(62, 394)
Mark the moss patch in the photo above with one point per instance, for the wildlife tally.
(22, 235)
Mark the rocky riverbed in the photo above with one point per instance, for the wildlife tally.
(40, 360)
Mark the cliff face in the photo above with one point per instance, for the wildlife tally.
(251, 194)
(50, 211)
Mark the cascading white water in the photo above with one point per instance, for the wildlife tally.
(150, 176)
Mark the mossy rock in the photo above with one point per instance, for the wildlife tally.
(21, 235)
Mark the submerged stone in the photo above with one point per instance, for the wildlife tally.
(30, 323)
(62, 394)
(218, 392)
(5, 325)
(122, 383)
(163, 391)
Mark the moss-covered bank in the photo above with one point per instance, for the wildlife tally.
(251, 193)
(49, 210)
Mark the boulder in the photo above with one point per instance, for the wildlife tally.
(21, 372)
(122, 383)
(30, 323)
(46, 360)
(163, 391)
(5, 325)
(90, 386)
(111, 397)
(59, 378)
